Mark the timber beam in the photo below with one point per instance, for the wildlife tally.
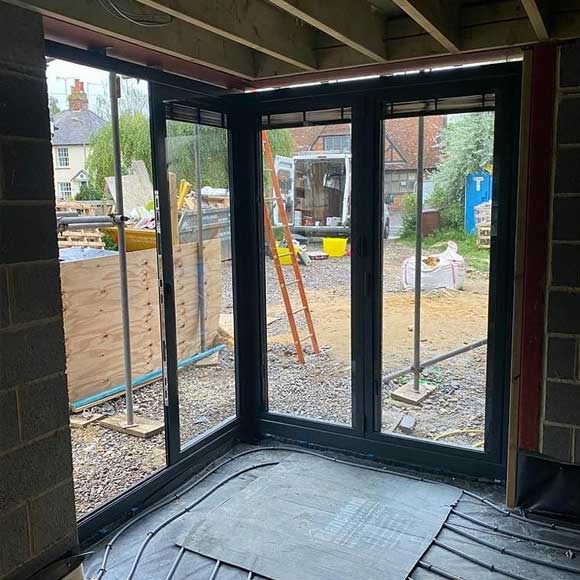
(439, 18)
(255, 24)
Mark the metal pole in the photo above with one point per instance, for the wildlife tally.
(114, 94)
(200, 262)
(418, 249)
(437, 359)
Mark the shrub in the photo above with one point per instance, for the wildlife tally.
(90, 192)
(409, 215)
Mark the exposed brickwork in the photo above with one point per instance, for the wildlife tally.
(561, 428)
(402, 133)
(558, 442)
(37, 515)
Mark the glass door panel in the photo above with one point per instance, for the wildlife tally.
(197, 171)
(313, 174)
(443, 163)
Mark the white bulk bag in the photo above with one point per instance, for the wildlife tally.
(444, 270)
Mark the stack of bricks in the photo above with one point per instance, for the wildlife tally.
(561, 414)
(37, 515)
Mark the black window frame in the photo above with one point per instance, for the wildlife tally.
(245, 113)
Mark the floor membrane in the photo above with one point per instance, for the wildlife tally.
(313, 519)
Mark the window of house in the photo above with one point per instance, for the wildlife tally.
(62, 158)
(64, 190)
(336, 143)
(400, 181)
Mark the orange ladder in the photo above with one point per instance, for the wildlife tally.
(295, 266)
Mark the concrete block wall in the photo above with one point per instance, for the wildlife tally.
(561, 412)
(37, 515)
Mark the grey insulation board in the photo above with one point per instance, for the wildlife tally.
(313, 519)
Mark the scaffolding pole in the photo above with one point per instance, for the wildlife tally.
(200, 257)
(114, 95)
(418, 262)
(434, 360)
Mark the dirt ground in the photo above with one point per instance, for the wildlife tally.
(455, 412)
(107, 463)
(331, 314)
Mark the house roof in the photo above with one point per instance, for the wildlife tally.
(75, 127)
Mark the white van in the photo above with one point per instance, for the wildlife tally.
(316, 188)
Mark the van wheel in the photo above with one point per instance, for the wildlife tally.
(387, 230)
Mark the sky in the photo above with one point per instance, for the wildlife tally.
(61, 75)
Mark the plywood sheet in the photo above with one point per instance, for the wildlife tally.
(93, 323)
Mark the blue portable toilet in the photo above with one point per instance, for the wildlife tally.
(478, 186)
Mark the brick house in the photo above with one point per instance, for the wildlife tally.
(400, 160)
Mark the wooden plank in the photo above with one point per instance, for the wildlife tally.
(517, 338)
(356, 24)
(143, 428)
(253, 23)
(92, 315)
(536, 11)
(439, 19)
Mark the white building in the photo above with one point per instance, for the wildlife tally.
(72, 133)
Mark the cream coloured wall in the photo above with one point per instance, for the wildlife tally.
(77, 161)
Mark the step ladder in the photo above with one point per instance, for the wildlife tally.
(283, 217)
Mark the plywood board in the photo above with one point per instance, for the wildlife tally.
(93, 323)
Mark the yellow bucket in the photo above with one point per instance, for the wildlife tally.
(284, 256)
(334, 247)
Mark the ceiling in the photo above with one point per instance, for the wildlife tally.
(256, 43)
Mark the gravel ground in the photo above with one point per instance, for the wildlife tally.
(107, 463)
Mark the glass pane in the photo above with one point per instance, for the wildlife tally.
(450, 404)
(105, 462)
(198, 174)
(315, 192)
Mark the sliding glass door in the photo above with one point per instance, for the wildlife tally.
(193, 211)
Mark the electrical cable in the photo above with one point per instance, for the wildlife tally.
(133, 17)
(139, 18)
(151, 534)
(102, 570)
(496, 528)
(509, 552)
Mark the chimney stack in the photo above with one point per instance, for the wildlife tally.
(78, 100)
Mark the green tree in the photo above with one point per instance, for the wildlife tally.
(53, 107)
(180, 145)
(467, 143)
(282, 144)
(135, 144)
(213, 153)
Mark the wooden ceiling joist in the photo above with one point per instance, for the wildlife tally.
(439, 18)
(536, 11)
(355, 23)
(177, 38)
(252, 23)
